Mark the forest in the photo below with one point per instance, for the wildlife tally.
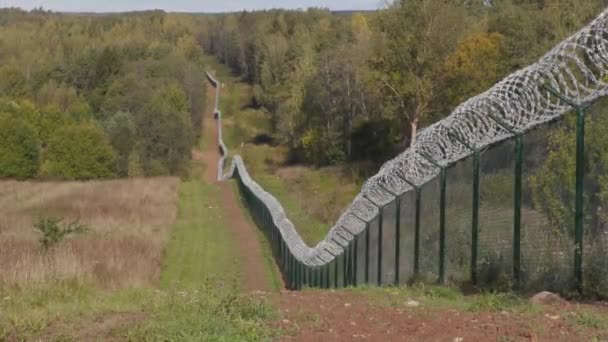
(114, 226)
(129, 89)
(121, 95)
(98, 97)
(358, 87)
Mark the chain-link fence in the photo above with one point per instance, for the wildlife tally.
(497, 194)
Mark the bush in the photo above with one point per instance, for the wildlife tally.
(79, 152)
(19, 150)
(54, 230)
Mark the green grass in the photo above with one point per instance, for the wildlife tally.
(26, 312)
(207, 313)
(64, 310)
(589, 319)
(311, 230)
(438, 297)
(200, 245)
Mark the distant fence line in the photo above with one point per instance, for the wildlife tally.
(452, 207)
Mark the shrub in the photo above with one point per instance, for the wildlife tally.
(54, 230)
(79, 152)
(19, 150)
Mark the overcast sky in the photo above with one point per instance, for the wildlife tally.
(186, 5)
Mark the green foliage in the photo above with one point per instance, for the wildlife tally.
(54, 230)
(79, 151)
(12, 82)
(19, 150)
(477, 63)
(165, 132)
(61, 98)
(120, 129)
(59, 72)
(322, 148)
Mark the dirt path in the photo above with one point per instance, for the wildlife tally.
(255, 276)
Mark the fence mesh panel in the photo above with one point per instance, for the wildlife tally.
(459, 209)
(595, 232)
(340, 267)
(429, 230)
(495, 258)
(373, 250)
(407, 242)
(547, 250)
(360, 267)
(389, 238)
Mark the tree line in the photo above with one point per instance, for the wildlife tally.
(85, 97)
(120, 95)
(352, 87)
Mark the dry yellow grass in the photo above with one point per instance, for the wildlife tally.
(129, 223)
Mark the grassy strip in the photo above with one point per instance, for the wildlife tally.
(200, 245)
(438, 297)
(73, 311)
(208, 313)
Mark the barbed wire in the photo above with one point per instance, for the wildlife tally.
(577, 68)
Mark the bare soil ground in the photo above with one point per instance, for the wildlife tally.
(345, 316)
(253, 270)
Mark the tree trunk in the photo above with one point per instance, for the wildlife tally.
(413, 131)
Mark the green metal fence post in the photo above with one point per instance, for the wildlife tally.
(327, 275)
(380, 228)
(417, 233)
(300, 275)
(367, 253)
(442, 246)
(296, 269)
(442, 206)
(580, 178)
(517, 215)
(516, 199)
(320, 277)
(290, 269)
(475, 218)
(336, 263)
(348, 279)
(398, 241)
(354, 252)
